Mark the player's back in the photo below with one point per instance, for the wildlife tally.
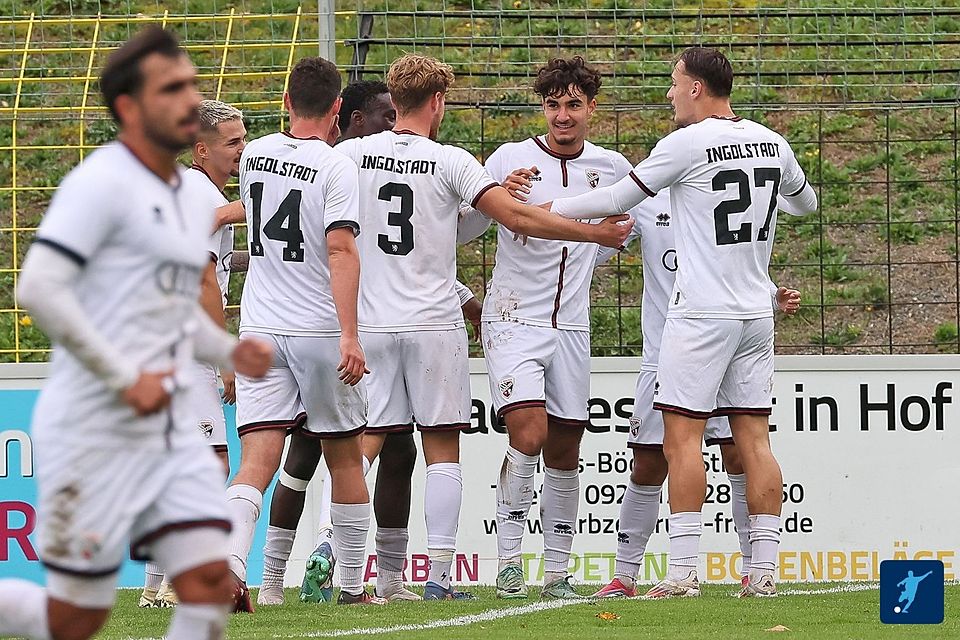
(730, 172)
(294, 191)
(411, 189)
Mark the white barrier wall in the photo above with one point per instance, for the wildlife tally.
(868, 446)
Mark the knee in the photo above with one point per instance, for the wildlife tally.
(649, 469)
(80, 625)
(731, 459)
(399, 456)
(207, 584)
(302, 461)
(528, 440)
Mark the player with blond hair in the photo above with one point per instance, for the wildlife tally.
(410, 319)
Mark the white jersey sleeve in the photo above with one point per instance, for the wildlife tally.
(667, 163)
(467, 176)
(342, 199)
(82, 216)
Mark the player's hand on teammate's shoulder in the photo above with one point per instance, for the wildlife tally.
(252, 357)
(613, 230)
(788, 300)
(229, 379)
(518, 183)
(353, 363)
(150, 393)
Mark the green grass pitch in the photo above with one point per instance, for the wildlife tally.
(828, 616)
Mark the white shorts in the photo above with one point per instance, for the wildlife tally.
(646, 423)
(96, 505)
(420, 377)
(204, 401)
(715, 367)
(538, 367)
(302, 390)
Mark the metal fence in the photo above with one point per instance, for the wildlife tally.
(868, 96)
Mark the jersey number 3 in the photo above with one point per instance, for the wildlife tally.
(721, 215)
(400, 219)
(290, 235)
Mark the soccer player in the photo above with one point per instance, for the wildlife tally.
(411, 326)
(114, 279)
(726, 177)
(536, 326)
(216, 157)
(301, 202)
(640, 509)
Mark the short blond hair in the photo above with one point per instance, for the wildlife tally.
(412, 79)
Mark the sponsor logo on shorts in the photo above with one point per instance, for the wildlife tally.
(656, 388)
(635, 426)
(593, 178)
(206, 428)
(90, 545)
(623, 538)
(517, 516)
(563, 529)
(506, 387)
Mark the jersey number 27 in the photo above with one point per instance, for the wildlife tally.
(721, 215)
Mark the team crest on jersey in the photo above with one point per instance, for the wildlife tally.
(593, 178)
(206, 427)
(506, 387)
(635, 426)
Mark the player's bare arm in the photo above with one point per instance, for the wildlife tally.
(229, 214)
(239, 261)
(498, 204)
(345, 284)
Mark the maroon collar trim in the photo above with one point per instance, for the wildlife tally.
(197, 167)
(730, 119)
(407, 132)
(559, 156)
(290, 135)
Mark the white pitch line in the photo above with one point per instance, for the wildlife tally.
(459, 621)
(509, 612)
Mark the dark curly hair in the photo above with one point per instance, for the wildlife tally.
(555, 78)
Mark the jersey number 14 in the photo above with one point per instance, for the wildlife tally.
(288, 212)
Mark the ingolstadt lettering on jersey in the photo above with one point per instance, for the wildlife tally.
(724, 176)
(412, 188)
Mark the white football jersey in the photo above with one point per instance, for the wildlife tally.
(142, 243)
(294, 192)
(220, 245)
(546, 283)
(412, 188)
(724, 177)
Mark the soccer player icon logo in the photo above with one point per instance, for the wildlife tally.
(911, 591)
(909, 584)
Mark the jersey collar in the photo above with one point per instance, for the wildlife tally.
(176, 174)
(728, 119)
(290, 135)
(197, 167)
(560, 156)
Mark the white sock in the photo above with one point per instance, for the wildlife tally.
(559, 504)
(741, 518)
(153, 576)
(391, 554)
(350, 525)
(638, 518)
(198, 622)
(685, 529)
(765, 540)
(23, 609)
(326, 498)
(443, 495)
(514, 497)
(276, 552)
(244, 503)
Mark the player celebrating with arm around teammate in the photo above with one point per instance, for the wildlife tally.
(536, 327)
(726, 176)
(114, 278)
(411, 323)
(301, 201)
